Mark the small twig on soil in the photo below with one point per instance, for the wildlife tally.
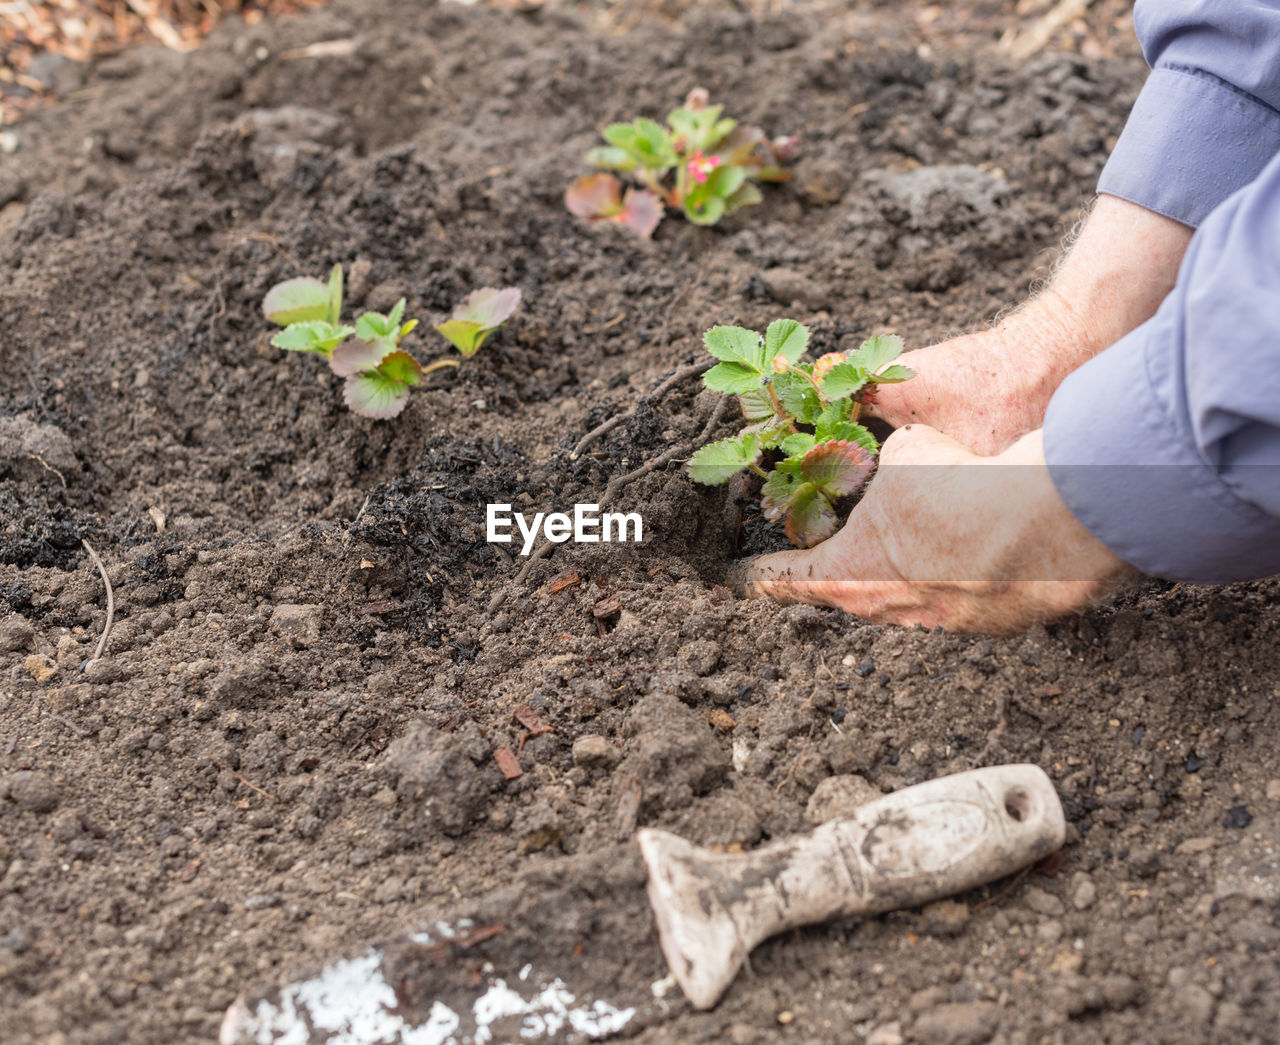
(48, 468)
(1024, 45)
(618, 482)
(617, 419)
(611, 492)
(253, 787)
(799, 758)
(79, 731)
(111, 601)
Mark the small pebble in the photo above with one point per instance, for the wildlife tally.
(1043, 903)
(1083, 893)
(591, 751)
(1238, 818)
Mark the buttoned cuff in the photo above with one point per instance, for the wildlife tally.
(1190, 142)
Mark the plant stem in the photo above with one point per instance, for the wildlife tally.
(809, 377)
(439, 363)
(855, 411)
(777, 406)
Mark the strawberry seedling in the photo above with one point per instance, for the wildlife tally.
(700, 163)
(806, 412)
(379, 372)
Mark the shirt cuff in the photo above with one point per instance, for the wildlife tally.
(1128, 474)
(1190, 142)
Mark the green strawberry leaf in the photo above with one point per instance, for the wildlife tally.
(464, 336)
(844, 379)
(747, 195)
(382, 393)
(787, 338)
(315, 335)
(797, 443)
(611, 158)
(798, 397)
(481, 313)
(736, 345)
(756, 404)
(848, 432)
(302, 300)
(837, 412)
(734, 379)
(894, 374)
(372, 326)
(776, 494)
(706, 210)
(717, 462)
(772, 436)
(877, 352)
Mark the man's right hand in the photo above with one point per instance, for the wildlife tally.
(987, 390)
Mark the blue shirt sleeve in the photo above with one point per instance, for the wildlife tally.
(1208, 119)
(1167, 445)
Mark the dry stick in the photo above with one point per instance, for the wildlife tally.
(111, 601)
(617, 483)
(254, 787)
(1035, 38)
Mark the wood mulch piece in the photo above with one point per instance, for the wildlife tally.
(81, 30)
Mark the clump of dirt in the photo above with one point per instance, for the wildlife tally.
(288, 748)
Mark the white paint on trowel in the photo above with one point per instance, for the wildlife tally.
(351, 1003)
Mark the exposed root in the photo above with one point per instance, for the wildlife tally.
(111, 601)
(617, 419)
(618, 482)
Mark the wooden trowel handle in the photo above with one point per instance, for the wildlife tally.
(908, 848)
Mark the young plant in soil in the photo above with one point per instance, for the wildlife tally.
(805, 412)
(700, 163)
(379, 372)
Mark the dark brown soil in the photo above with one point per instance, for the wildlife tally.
(287, 750)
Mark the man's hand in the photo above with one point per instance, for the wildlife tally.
(945, 537)
(990, 388)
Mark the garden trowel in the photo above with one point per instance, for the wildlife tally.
(560, 956)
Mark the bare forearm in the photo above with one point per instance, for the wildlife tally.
(987, 389)
(1123, 264)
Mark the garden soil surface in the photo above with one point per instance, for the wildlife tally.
(287, 750)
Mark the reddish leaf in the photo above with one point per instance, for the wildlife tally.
(826, 362)
(641, 212)
(352, 357)
(838, 467)
(594, 196)
(488, 307)
(811, 519)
